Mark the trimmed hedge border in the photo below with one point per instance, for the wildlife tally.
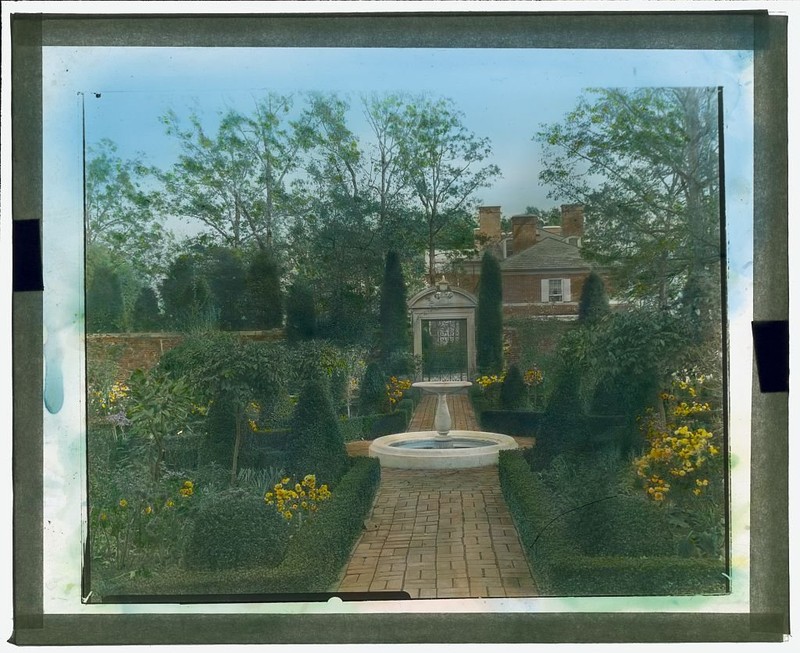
(511, 422)
(369, 427)
(313, 563)
(560, 569)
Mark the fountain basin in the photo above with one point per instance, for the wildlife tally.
(426, 449)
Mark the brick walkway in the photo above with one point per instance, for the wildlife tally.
(440, 534)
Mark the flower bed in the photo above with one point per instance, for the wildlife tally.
(315, 555)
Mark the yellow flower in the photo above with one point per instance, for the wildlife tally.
(103, 516)
(170, 503)
(123, 503)
(148, 510)
(188, 484)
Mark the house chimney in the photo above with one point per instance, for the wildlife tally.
(572, 220)
(489, 223)
(523, 232)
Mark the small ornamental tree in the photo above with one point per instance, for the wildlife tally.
(301, 315)
(104, 307)
(146, 313)
(489, 321)
(316, 446)
(594, 301)
(264, 302)
(393, 309)
(513, 393)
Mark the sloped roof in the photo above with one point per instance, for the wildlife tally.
(549, 253)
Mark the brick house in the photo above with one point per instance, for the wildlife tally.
(542, 268)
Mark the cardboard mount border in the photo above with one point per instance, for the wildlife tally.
(748, 30)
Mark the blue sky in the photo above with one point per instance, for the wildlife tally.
(505, 94)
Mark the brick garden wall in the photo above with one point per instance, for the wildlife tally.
(130, 351)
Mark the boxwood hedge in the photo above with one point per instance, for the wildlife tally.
(561, 568)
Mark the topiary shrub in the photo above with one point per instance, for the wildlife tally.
(489, 318)
(593, 305)
(235, 529)
(104, 306)
(317, 446)
(263, 298)
(393, 310)
(146, 313)
(372, 398)
(301, 315)
(513, 393)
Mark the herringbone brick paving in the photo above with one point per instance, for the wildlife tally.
(440, 533)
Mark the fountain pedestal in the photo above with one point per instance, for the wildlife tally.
(442, 422)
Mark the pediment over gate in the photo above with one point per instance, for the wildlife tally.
(442, 295)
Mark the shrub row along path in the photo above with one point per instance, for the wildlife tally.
(440, 533)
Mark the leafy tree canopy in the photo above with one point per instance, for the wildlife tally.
(645, 165)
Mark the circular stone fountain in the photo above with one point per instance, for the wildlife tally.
(442, 448)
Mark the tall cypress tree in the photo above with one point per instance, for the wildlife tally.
(227, 280)
(393, 310)
(301, 316)
(489, 320)
(594, 302)
(146, 314)
(264, 302)
(104, 306)
(186, 295)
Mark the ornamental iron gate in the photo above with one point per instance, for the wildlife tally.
(444, 350)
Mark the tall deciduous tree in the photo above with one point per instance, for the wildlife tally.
(234, 181)
(645, 165)
(444, 164)
(123, 212)
(489, 320)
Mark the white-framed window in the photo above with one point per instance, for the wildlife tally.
(556, 291)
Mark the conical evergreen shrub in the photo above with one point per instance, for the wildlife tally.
(316, 445)
(104, 305)
(146, 313)
(394, 336)
(264, 301)
(594, 302)
(186, 295)
(301, 316)
(489, 319)
(372, 394)
(513, 393)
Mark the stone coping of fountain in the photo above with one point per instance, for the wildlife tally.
(390, 455)
(441, 386)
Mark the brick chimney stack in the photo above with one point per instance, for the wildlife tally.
(523, 232)
(489, 223)
(572, 220)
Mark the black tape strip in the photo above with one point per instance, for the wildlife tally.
(186, 599)
(771, 345)
(26, 245)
